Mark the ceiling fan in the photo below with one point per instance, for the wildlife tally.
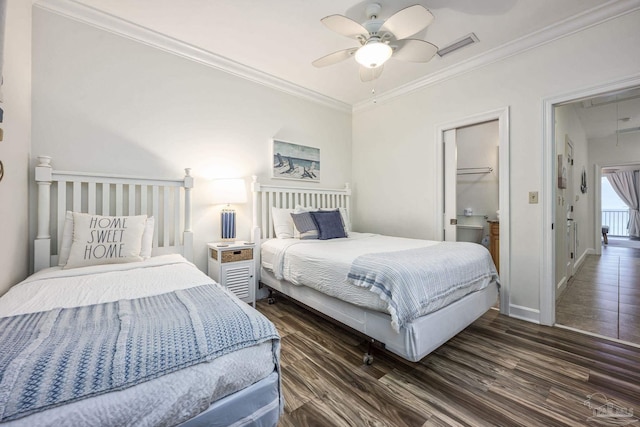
(380, 40)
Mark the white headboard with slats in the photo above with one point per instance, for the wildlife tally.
(167, 200)
(267, 196)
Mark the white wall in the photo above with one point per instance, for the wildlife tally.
(14, 149)
(394, 142)
(105, 103)
(611, 151)
(568, 124)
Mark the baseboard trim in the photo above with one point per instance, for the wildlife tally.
(524, 313)
(569, 328)
(579, 261)
(561, 286)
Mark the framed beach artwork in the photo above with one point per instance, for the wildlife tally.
(295, 161)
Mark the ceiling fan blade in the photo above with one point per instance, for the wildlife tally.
(368, 74)
(345, 26)
(334, 58)
(407, 22)
(413, 50)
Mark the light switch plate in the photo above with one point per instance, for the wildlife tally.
(533, 197)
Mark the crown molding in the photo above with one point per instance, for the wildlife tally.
(605, 12)
(113, 24)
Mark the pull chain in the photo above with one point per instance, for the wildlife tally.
(617, 124)
(373, 87)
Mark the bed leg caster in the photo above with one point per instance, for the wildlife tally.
(367, 359)
(271, 299)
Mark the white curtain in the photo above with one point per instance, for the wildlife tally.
(627, 185)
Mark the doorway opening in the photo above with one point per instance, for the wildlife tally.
(487, 167)
(600, 294)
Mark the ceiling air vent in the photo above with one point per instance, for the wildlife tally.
(458, 44)
(628, 130)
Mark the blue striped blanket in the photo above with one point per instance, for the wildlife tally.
(415, 282)
(55, 357)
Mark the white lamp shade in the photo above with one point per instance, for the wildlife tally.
(229, 191)
(373, 54)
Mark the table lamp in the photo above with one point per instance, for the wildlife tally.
(228, 192)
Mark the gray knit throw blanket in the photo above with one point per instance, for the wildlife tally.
(55, 357)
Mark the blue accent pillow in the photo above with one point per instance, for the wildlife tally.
(305, 225)
(329, 224)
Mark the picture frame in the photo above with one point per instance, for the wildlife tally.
(562, 172)
(295, 161)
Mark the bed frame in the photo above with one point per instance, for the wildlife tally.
(414, 341)
(167, 200)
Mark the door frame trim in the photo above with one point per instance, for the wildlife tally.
(502, 115)
(547, 248)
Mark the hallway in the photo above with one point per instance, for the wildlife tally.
(603, 297)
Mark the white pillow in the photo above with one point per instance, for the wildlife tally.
(282, 223)
(147, 238)
(67, 239)
(105, 239)
(346, 218)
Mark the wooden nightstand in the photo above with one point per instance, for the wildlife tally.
(232, 266)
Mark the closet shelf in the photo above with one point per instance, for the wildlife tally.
(473, 171)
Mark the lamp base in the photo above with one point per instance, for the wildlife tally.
(228, 225)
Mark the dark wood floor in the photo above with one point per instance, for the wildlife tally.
(603, 297)
(499, 371)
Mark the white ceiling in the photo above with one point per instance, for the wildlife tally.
(605, 115)
(282, 37)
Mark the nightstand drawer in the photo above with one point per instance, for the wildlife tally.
(235, 256)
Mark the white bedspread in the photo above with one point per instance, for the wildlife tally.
(157, 402)
(324, 264)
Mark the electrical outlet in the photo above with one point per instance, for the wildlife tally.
(533, 197)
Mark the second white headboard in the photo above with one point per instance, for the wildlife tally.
(267, 196)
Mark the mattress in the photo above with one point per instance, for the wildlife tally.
(160, 401)
(416, 339)
(325, 264)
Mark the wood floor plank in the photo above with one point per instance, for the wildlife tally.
(448, 408)
(360, 385)
(498, 371)
(353, 402)
(592, 300)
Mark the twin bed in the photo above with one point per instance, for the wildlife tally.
(118, 327)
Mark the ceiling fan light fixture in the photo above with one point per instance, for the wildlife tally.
(373, 54)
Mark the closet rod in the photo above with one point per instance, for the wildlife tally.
(470, 171)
